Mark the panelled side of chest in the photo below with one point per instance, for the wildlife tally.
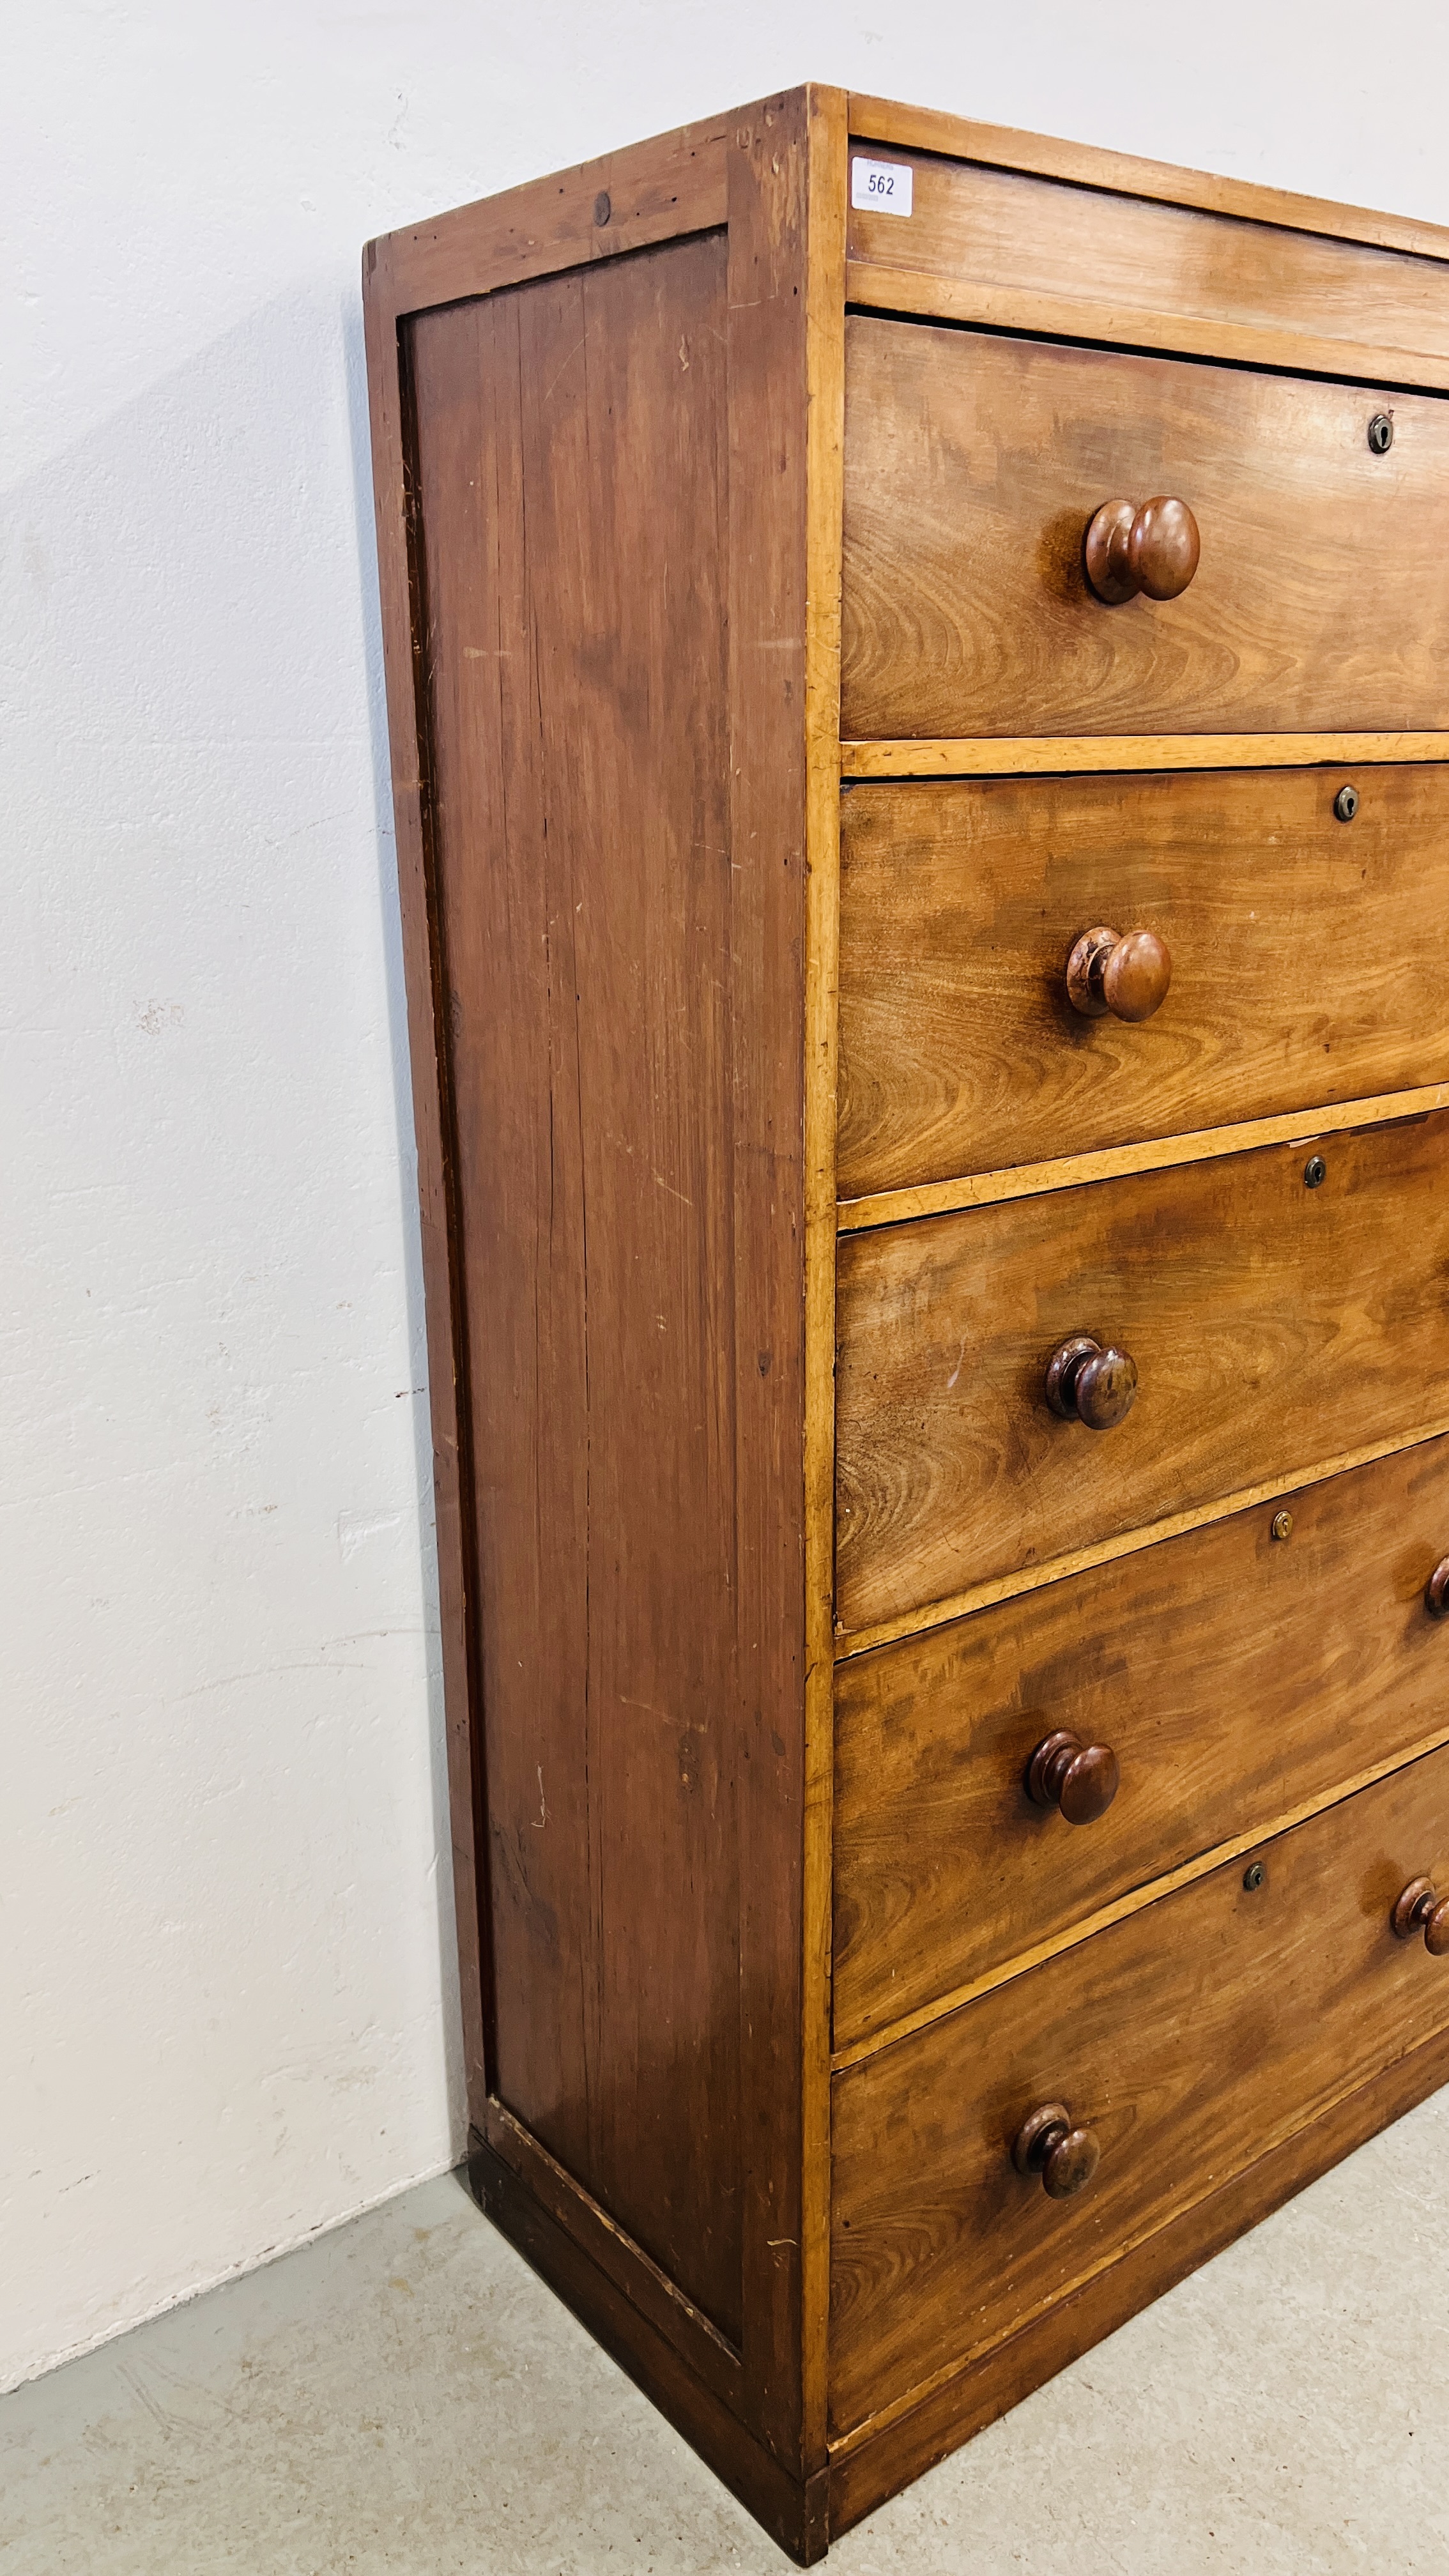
(606, 487)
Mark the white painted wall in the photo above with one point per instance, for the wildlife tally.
(226, 2013)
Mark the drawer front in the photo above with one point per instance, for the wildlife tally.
(1233, 1675)
(1275, 1327)
(1188, 2040)
(1306, 959)
(1025, 247)
(973, 465)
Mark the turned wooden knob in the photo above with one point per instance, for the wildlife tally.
(1128, 977)
(1085, 1383)
(1436, 1590)
(1081, 1779)
(1152, 549)
(1421, 1909)
(1065, 2157)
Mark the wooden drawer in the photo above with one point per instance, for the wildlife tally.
(973, 465)
(1307, 959)
(944, 1867)
(1191, 2039)
(1008, 244)
(1275, 1327)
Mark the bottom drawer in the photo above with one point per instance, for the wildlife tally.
(1186, 2041)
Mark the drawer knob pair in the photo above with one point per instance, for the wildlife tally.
(1087, 1383)
(1049, 2145)
(1421, 1909)
(1080, 1779)
(1127, 976)
(1151, 549)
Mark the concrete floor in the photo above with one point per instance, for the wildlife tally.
(404, 2395)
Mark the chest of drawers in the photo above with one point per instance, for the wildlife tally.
(918, 681)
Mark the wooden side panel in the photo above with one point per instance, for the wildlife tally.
(793, 2510)
(1307, 960)
(399, 583)
(1000, 245)
(1275, 1327)
(973, 466)
(1191, 2040)
(1235, 1675)
(600, 210)
(570, 433)
(769, 676)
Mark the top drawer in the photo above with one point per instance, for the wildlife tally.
(974, 465)
(1181, 267)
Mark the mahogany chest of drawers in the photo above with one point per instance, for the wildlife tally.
(918, 679)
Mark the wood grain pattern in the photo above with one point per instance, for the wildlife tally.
(945, 1868)
(579, 753)
(611, 775)
(767, 857)
(1047, 755)
(607, 2246)
(1307, 960)
(1193, 2039)
(650, 192)
(825, 461)
(883, 2454)
(792, 2509)
(1022, 240)
(873, 287)
(1273, 1327)
(1134, 1899)
(1106, 1551)
(1074, 1171)
(973, 465)
(1127, 174)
